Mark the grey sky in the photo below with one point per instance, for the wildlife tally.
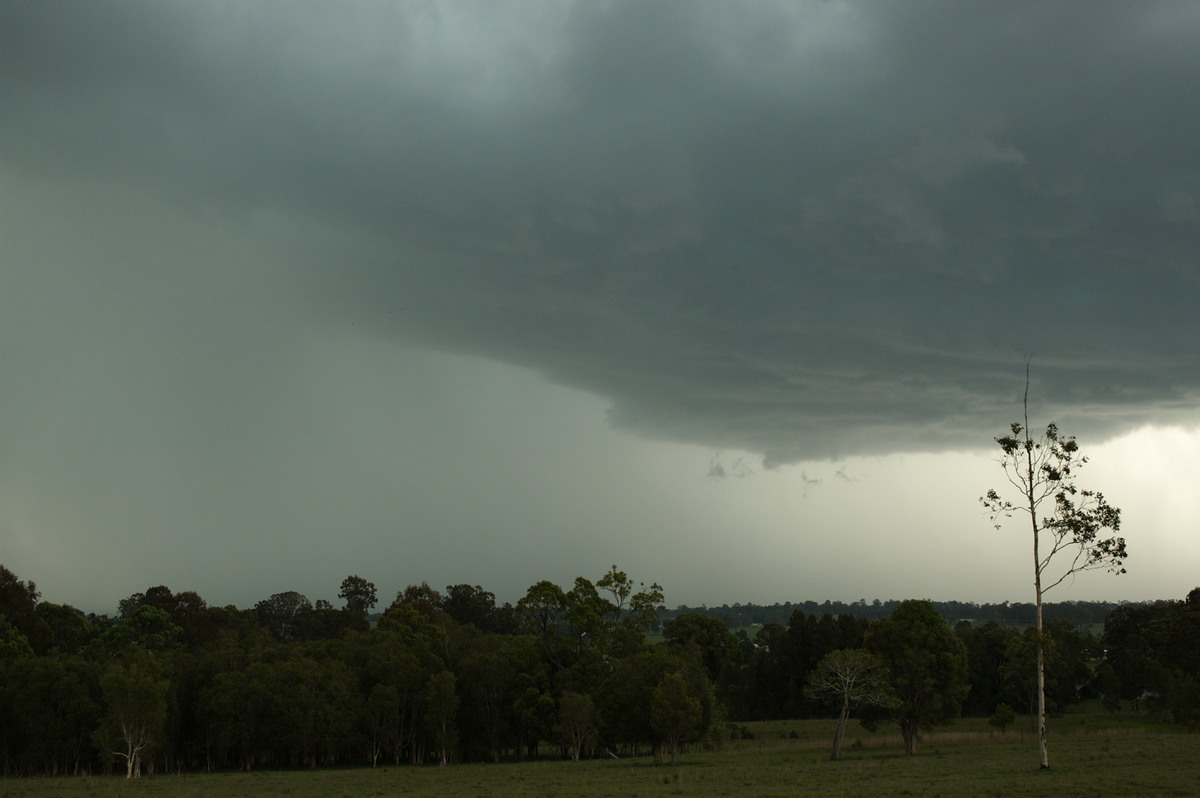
(483, 291)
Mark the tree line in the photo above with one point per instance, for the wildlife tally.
(1017, 613)
(171, 683)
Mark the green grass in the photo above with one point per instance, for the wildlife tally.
(786, 758)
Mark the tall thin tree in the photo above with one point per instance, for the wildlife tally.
(1063, 518)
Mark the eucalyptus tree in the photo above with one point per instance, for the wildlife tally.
(441, 707)
(381, 720)
(13, 644)
(406, 649)
(1069, 525)
(135, 695)
(18, 604)
(281, 613)
(675, 714)
(1154, 649)
(49, 712)
(488, 672)
(578, 726)
(987, 646)
(927, 668)
(472, 604)
(359, 595)
(634, 610)
(716, 646)
(541, 609)
(634, 710)
(849, 678)
(147, 629)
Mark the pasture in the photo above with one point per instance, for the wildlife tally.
(1091, 754)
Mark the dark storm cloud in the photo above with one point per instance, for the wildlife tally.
(804, 229)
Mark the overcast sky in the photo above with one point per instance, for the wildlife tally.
(733, 295)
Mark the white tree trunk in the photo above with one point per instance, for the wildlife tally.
(841, 729)
(1041, 682)
(1031, 480)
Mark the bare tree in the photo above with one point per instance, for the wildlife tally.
(852, 678)
(1065, 521)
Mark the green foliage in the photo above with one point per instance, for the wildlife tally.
(849, 678)
(441, 705)
(987, 647)
(1183, 698)
(1019, 669)
(1043, 470)
(1003, 717)
(927, 666)
(542, 608)
(49, 708)
(626, 698)
(435, 680)
(1064, 519)
(359, 595)
(146, 629)
(280, 614)
(18, 607)
(577, 727)
(68, 630)
(13, 644)
(716, 646)
(1154, 651)
(135, 700)
(1109, 685)
(749, 617)
(471, 604)
(675, 714)
(421, 598)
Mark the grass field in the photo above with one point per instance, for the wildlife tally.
(1091, 755)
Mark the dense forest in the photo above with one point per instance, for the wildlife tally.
(600, 669)
(1078, 613)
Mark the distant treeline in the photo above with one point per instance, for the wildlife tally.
(171, 683)
(1078, 613)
